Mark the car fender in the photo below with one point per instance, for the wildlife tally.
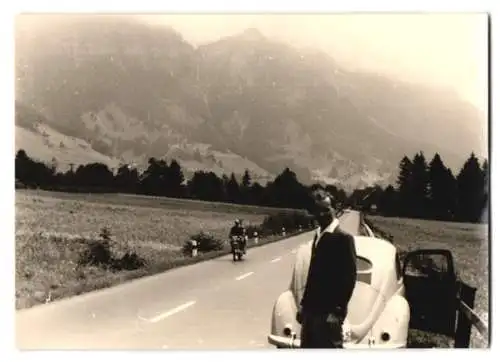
(284, 314)
(394, 320)
(360, 331)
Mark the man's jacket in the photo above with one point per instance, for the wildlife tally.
(332, 274)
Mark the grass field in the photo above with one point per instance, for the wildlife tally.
(153, 201)
(52, 229)
(469, 245)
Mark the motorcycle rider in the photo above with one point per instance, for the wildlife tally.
(239, 230)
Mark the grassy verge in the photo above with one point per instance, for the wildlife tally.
(53, 233)
(469, 245)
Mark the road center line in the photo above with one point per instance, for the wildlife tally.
(172, 312)
(244, 276)
(276, 259)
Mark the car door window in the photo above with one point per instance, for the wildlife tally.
(432, 265)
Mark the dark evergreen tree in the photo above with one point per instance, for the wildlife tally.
(127, 179)
(233, 189)
(470, 187)
(95, 176)
(451, 199)
(404, 187)
(246, 180)
(420, 187)
(486, 181)
(246, 184)
(257, 194)
(387, 205)
(206, 186)
(439, 189)
(175, 180)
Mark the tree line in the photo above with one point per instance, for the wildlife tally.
(161, 178)
(423, 190)
(430, 190)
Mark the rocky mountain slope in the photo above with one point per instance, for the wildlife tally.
(129, 91)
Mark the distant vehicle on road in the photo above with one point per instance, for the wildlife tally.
(237, 247)
(385, 292)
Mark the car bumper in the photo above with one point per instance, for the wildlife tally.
(288, 342)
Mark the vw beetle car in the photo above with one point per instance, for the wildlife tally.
(379, 310)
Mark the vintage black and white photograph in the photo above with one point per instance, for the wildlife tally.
(252, 181)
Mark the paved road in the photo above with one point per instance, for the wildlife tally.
(216, 304)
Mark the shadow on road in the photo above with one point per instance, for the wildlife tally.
(229, 259)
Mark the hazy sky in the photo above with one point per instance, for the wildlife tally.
(444, 49)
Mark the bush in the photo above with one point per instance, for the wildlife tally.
(99, 254)
(290, 221)
(129, 261)
(205, 243)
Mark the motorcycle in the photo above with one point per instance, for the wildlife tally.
(237, 247)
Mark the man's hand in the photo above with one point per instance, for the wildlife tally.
(298, 315)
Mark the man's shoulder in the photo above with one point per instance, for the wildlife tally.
(338, 233)
(342, 231)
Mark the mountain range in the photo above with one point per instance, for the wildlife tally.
(116, 90)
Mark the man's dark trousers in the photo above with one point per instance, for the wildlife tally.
(319, 331)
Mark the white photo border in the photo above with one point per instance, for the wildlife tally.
(9, 9)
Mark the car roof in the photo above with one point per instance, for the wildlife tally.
(376, 250)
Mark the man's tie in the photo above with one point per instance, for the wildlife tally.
(315, 240)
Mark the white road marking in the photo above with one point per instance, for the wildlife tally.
(244, 276)
(276, 259)
(172, 312)
(294, 251)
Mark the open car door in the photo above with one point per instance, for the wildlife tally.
(431, 289)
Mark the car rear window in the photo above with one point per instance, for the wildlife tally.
(363, 269)
(364, 295)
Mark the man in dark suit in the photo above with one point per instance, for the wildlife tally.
(331, 279)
